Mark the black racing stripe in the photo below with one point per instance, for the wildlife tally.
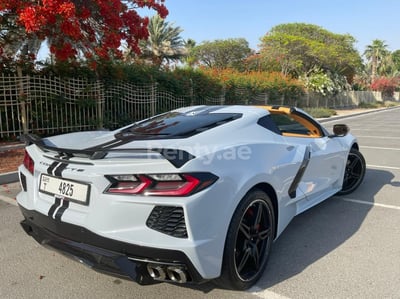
(54, 207)
(51, 167)
(60, 169)
(61, 210)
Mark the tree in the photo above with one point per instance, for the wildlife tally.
(17, 50)
(298, 49)
(396, 62)
(220, 54)
(164, 42)
(92, 29)
(385, 85)
(324, 82)
(190, 59)
(377, 55)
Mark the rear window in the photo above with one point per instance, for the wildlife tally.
(179, 125)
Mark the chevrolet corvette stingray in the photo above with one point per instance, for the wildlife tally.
(192, 195)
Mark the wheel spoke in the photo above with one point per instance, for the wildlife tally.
(354, 175)
(258, 217)
(353, 163)
(255, 255)
(245, 229)
(262, 235)
(244, 259)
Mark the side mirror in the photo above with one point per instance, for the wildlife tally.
(340, 130)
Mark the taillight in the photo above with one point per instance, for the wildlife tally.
(170, 184)
(28, 162)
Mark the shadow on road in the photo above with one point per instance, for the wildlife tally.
(318, 231)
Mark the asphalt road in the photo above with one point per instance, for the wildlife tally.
(346, 247)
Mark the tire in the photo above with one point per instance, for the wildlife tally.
(248, 242)
(354, 172)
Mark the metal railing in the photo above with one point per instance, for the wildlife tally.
(51, 105)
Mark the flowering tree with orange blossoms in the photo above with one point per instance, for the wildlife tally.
(93, 29)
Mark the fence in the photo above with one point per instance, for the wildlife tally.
(50, 105)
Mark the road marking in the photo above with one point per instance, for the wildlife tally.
(8, 200)
(381, 148)
(383, 167)
(378, 137)
(372, 203)
(265, 294)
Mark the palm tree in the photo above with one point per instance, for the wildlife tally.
(377, 56)
(164, 43)
(190, 59)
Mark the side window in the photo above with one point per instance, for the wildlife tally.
(268, 123)
(289, 126)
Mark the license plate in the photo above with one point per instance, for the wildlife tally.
(68, 189)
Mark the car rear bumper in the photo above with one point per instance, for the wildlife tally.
(139, 263)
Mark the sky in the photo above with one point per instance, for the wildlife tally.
(208, 20)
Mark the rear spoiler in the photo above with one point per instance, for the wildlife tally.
(176, 157)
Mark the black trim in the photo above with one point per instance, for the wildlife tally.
(168, 220)
(176, 157)
(67, 237)
(23, 181)
(98, 259)
(300, 173)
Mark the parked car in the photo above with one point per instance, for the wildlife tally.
(191, 195)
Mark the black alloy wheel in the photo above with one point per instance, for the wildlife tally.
(354, 172)
(248, 242)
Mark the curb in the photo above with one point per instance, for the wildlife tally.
(338, 117)
(9, 177)
(8, 147)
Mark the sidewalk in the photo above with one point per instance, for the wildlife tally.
(8, 192)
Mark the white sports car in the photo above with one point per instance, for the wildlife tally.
(196, 194)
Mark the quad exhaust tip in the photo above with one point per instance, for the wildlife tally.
(167, 273)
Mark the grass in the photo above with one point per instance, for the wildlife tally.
(326, 112)
(320, 112)
(378, 104)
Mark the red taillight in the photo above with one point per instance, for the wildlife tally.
(160, 184)
(133, 186)
(28, 162)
